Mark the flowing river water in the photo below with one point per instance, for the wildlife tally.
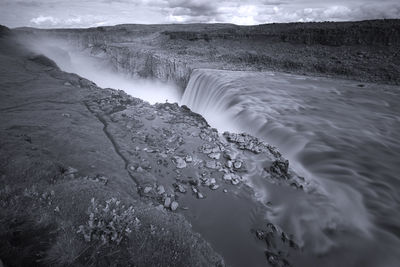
(342, 134)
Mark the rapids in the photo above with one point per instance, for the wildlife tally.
(342, 134)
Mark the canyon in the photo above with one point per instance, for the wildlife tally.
(255, 158)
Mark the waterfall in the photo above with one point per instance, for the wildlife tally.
(330, 130)
(236, 101)
(208, 94)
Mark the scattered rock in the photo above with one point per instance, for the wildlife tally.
(200, 195)
(214, 155)
(246, 142)
(278, 244)
(179, 162)
(232, 177)
(167, 202)
(229, 155)
(194, 182)
(180, 188)
(208, 181)
(225, 191)
(147, 189)
(57, 209)
(174, 205)
(101, 179)
(214, 187)
(188, 159)
(160, 190)
(195, 190)
(280, 167)
(229, 164)
(66, 115)
(237, 164)
(70, 170)
(235, 181)
(212, 164)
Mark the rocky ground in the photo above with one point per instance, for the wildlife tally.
(94, 176)
(68, 194)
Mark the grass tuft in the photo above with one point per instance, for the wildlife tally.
(109, 223)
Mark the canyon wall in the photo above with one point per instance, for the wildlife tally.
(372, 32)
(118, 51)
(367, 51)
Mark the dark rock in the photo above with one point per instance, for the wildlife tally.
(43, 60)
(179, 188)
(280, 167)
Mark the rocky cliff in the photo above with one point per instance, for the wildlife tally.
(364, 51)
(371, 33)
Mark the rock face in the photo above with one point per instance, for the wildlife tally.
(373, 32)
(171, 52)
(4, 31)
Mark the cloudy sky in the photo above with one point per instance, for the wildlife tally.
(89, 13)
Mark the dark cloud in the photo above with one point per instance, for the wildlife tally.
(193, 8)
(29, 3)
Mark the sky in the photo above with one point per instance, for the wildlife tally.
(92, 13)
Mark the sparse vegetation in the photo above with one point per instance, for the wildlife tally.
(109, 223)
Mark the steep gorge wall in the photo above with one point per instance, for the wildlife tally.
(366, 51)
(147, 64)
(121, 52)
(369, 33)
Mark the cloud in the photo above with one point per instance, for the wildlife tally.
(87, 13)
(76, 21)
(45, 20)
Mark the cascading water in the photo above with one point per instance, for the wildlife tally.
(339, 133)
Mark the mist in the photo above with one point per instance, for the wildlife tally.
(100, 72)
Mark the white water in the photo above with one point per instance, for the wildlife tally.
(100, 71)
(344, 136)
